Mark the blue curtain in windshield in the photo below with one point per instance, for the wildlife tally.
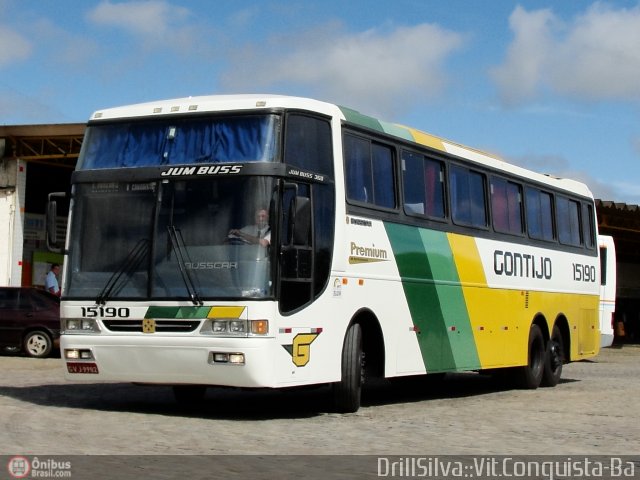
(136, 144)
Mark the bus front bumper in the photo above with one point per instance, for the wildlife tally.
(234, 362)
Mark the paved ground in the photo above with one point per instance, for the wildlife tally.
(595, 410)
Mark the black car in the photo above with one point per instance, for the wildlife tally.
(29, 320)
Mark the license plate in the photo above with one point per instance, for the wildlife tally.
(77, 367)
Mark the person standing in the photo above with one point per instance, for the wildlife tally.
(51, 282)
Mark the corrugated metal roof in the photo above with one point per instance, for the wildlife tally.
(621, 221)
(627, 207)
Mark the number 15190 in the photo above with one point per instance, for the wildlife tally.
(105, 312)
(584, 273)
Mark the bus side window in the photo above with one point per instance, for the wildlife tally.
(506, 206)
(568, 221)
(383, 176)
(358, 168)
(468, 192)
(369, 170)
(603, 265)
(423, 180)
(588, 230)
(308, 144)
(539, 207)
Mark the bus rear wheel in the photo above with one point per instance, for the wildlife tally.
(529, 376)
(348, 391)
(554, 359)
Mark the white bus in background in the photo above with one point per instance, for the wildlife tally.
(607, 289)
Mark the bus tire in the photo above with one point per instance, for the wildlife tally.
(554, 359)
(348, 391)
(529, 376)
(189, 394)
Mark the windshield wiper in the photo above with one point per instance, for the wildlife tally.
(178, 245)
(128, 266)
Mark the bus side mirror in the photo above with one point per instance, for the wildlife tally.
(51, 220)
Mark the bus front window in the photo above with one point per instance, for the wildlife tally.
(188, 239)
(225, 252)
(220, 139)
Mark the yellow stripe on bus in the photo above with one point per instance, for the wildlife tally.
(426, 139)
(501, 318)
(480, 301)
(225, 312)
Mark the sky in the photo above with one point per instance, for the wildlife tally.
(550, 85)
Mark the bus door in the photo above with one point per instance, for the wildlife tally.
(296, 250)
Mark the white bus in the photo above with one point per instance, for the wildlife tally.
(607, 289)
(274, 241)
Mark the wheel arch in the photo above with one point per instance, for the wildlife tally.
(372, 341)
(563, 324)
(541, 321)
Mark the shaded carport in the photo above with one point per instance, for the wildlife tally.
(34, 161)
(622, 222)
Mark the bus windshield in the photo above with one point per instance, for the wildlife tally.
(188, 239)
(179, 141)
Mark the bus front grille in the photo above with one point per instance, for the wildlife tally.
(161, 326)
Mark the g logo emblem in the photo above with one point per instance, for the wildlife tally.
(301, 350)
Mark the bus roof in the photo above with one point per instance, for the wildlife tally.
(215, 103)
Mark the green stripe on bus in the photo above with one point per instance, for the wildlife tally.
(356, 117)
(397, 130)
(435, 298)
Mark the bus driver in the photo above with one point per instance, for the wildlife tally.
(259, 233)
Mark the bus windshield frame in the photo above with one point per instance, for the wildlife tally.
(161, 196)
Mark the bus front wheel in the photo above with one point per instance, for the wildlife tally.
(348, 391)
(529, 376)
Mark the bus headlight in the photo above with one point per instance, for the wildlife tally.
(79, 325)
(233, 327)
(237, 326)
(219, 326)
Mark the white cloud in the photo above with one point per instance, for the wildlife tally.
(20, 47)
(601, 55)
(595, 56)
(379, 69)
(155, 21)
(524, 66)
